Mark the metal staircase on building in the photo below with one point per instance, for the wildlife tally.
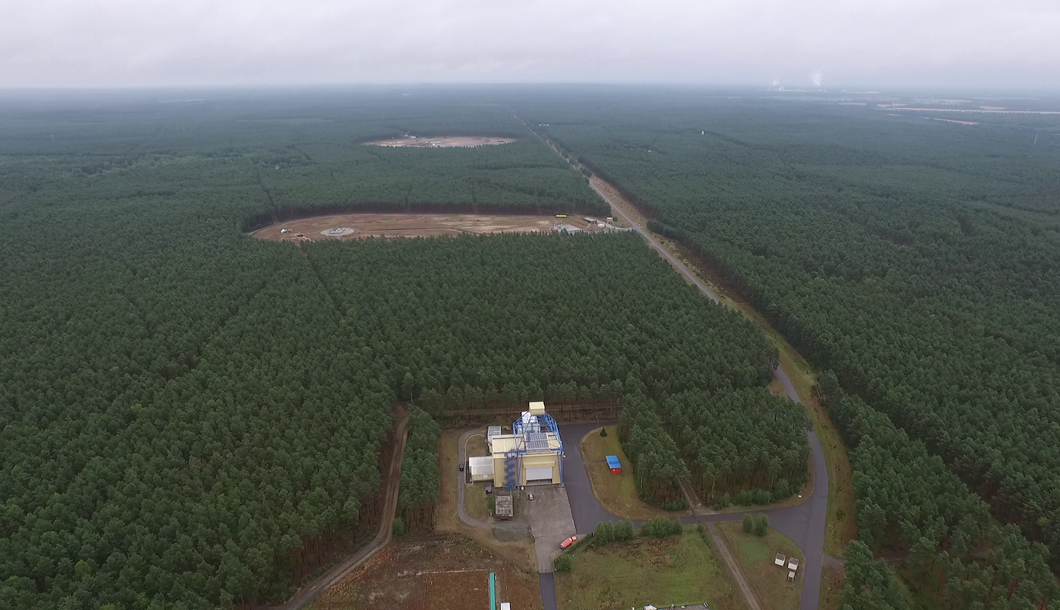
(511, 469)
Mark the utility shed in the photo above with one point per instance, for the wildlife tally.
(505, 507)
(614, 464)
(490, 433)
(481, 468)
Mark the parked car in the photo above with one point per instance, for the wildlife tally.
(461, 467)
(569, 541)
(529, 496)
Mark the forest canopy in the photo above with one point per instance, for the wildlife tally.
(918, 260)
(190, 417)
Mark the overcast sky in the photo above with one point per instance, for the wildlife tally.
(108, 43)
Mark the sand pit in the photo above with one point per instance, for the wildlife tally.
(446, 142)
(448, 572)
(952, 121)
(361, 226)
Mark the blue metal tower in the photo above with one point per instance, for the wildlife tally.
(511, 469)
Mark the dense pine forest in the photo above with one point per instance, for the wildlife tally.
(420, 474)
(910, 505)
(918, 259)
(193, 418)
(190, 417)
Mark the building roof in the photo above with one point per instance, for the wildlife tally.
(480, 465)
(542, 442)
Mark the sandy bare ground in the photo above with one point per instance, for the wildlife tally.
(438, 572)
(319, 228)
(977, 110)
(448, 142)
(952, 121)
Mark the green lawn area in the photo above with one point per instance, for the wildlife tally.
(616, 492)
(755, 556)
(676, 570)
(475, 502)
(476, 445)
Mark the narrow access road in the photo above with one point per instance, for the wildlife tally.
(737, 573)
(313, 590)
(461, 483)
(547, 582)
(596, 185)
(804, 523)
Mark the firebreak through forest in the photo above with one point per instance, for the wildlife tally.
(192, 418)
(917, 263)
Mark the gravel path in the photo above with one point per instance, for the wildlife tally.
(737, 574)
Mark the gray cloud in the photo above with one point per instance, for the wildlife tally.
(85, 43)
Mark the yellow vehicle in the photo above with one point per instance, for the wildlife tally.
(561, 215)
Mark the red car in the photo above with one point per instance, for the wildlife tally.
(569, 541)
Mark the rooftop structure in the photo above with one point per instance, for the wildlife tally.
(532, 454)
(491, 432)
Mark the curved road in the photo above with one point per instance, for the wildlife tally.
(804, 523)
(461, 483)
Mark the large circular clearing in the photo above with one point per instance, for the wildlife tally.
(441, 142)
(367, 225)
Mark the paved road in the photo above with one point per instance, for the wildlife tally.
(310, 592)
(805, 523)
(551, 523)
(461, 484)
(547, 583)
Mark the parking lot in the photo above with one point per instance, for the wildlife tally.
(551, 523)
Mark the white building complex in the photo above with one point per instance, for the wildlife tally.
(531, 455)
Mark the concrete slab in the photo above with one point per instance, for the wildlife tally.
(518, 527)
(551, 523)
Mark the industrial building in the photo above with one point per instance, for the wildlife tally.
(531, 455)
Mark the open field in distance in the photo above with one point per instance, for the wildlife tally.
(412, 225)
(446, 142)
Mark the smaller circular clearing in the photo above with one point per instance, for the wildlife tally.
(338, 232)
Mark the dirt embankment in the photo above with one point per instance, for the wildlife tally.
(440, 572)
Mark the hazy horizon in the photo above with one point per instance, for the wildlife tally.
(933, 44)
